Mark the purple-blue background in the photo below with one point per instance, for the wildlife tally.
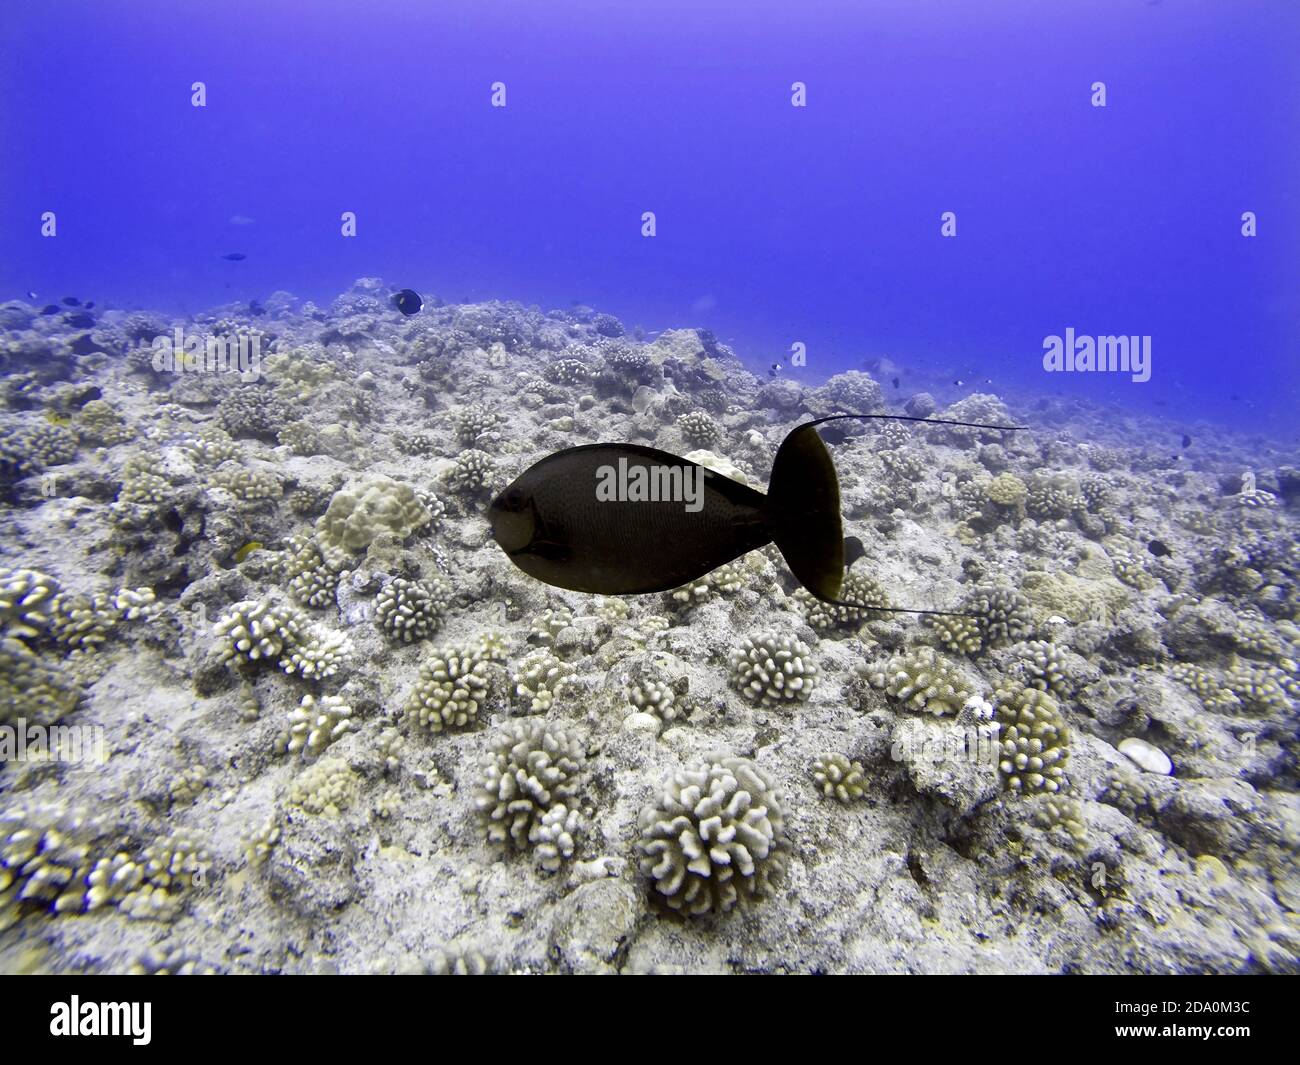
(775, 224)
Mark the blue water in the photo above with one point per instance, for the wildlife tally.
(775, 224)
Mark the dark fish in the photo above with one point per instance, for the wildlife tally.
(408, 301)
(71, 301)
(51, 308)
(31, 295)
(255, 308)
(89, 304)
(560, 523)
(1187, 440)
(79, 319)
(1157, 548)
(853, 550)
(235, 256)
(835, 434)
(896, 384)
(959, 382)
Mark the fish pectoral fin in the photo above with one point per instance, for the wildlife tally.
(547, 549)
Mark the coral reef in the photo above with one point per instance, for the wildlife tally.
(857, 588)
(453, 684)
(539, 677)
(355, 517)
(1035, 740)
(341, 732)
(957, 633)
(922, 680)
(412, 610)
(255, 631)
(530, 776)
(712, 840)
(772, 669)
(699, 429)
(315, 724)
(311, 580)
(472, 472)
(1003, 614)
(838, 778)
(327, 787)
(1044, 666)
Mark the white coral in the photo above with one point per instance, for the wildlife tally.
(711, 841)
(773, 669)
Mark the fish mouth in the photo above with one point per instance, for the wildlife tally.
(513, 521)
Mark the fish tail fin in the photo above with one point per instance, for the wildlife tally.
(803, 512)
(803, 509)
